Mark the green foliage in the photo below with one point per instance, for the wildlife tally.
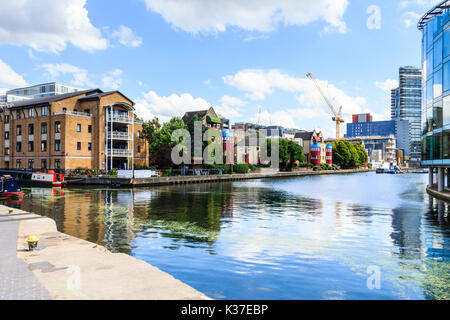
(306, 165)
(348, 155)
(160, 140)
(240, 168)
(218, 168)
(326, 166)
(289, 152)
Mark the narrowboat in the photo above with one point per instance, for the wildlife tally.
(9, 187)
(48, 178)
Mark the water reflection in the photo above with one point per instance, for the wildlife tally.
(271, 239)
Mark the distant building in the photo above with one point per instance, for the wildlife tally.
(379, 148)
(363, 126)
(406, 105)
(363, 117)
(38, 91)
(246, 146)
(314, 147)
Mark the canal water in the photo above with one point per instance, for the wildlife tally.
(355, 236)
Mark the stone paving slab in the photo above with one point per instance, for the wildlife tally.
(17, 281)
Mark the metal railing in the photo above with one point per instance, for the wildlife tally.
(73, 113)
(119, 153)
(119, 135)
(119, 118)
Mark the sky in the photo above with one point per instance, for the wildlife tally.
(247, 59)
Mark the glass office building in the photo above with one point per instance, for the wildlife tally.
(435, 27)
(37, 91)
(406, 106)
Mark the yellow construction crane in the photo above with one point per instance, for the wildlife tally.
(337, 115)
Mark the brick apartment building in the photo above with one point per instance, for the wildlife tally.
(88, 128)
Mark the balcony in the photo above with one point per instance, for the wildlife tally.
(119, 153)
(119, 135)
(73, 113)
(119, 118)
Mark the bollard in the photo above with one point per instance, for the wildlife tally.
(10, 210)
(32, 242)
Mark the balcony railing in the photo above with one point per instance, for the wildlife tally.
(119, 118)
(73, 113)
(119, 153)
(119, 135)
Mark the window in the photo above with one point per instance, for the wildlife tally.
(57, 127)
(44, 145)
(139, 133)
(57, 145)
(57, 163)
(30, 164)
(44, 128)
(139, 149)
(18, 146)
(31, 113)
(87, 111)
(31, 129)
(64, 110)
(89, 128)
(437, 85)
(44, 164)
(17, 114)
(30, 146)
(19, 130)
(78, 127)
(6, 151)
(6, 118)
(78, 145)
(44, 111)
(437, 57)
(18, 163)
(6, 135)
(89, 146)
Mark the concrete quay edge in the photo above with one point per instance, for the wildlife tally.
(75, 269)
(140, 182)
(445, 196)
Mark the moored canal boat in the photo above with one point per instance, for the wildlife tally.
(9, 187)
(48, 178)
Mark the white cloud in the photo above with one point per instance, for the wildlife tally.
(259, 83)
(112, 80)
(48, 25)
(254, 15)
(387, 85)
(151, 105)
(82, 78)
(127, 37)
(411, 18)
(9, 78)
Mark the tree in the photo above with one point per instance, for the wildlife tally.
(348, 155)
(289, 152)
(160, 140)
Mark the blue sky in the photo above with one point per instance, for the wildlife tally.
(248, 59)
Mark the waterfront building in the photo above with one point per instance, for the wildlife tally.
(314, 146)
(379, 148)
(435, 28)
(406, 106)
(38, 91)
(89, 128)
(364, 126)
(246, 145)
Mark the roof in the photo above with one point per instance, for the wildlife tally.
(437, 10)
(50, 99)
(305, 135)
(98, 95)
(189, 115)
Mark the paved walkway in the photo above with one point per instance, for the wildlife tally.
(17, 282)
